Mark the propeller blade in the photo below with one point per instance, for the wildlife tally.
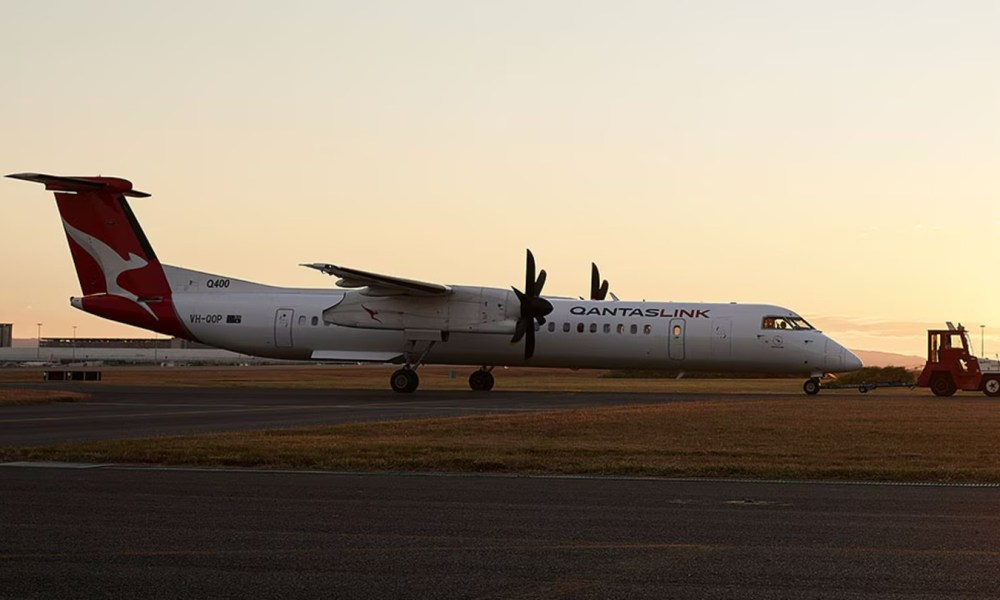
(529, 275)
(540, 307)
(598, 289)
(540, 283)
(519, 331)
(529, 343)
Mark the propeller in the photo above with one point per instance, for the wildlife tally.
(533, 307)
(598, 289)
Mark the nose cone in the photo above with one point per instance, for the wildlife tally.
(851, 361)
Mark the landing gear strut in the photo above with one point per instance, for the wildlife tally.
(482, 380)
(405, 380)
(811, 386)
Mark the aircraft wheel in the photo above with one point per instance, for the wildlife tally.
(481, 381)
(811, 386)
(942, 385)
(991, 386)
(404, 381)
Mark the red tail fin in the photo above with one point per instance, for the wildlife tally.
(120, 276)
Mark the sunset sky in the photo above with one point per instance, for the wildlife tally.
(841, 159)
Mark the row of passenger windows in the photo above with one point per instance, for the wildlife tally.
(566, 327)
(581, 328)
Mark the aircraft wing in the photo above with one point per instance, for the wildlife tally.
(378, 284)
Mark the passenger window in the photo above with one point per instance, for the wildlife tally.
(633, 329)
(565, 327)
(593, 328)
(579, 327)
(552, 326)
(315, 321)
(647, 329)
(621, 328)
(302, 320)
(607, 328)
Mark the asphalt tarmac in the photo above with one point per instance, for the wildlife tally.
(135, 412)
(137, 533)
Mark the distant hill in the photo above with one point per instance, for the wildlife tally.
(874, 358)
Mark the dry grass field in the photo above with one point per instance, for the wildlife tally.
(17, 397)
(834, 438)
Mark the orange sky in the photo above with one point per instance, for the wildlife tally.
(836, 158)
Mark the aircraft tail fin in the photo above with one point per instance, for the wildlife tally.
(120, 275)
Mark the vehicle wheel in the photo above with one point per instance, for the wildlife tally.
(481, 381)
(404, 381)
(942, 385)
(811, 387)
(991, 386)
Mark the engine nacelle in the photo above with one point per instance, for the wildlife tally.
(466, 309)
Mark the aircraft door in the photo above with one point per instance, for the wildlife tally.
(675, 341)
(722, 346)
(283, 328)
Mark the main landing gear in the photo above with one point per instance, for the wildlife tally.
(405, 380)
(482, 380)
(811, 386)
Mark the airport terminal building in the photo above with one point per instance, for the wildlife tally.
(166, 351)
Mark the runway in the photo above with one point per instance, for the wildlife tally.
(112, 532)
(116, 412)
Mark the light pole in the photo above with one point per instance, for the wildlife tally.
(982, 340)
(38, 353)
(74, 343)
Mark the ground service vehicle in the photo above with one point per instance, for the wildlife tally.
(951, 366)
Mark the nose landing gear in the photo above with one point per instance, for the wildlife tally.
(811, 386)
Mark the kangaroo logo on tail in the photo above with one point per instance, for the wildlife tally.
(111, 263)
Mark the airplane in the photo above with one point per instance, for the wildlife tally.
(375, 318)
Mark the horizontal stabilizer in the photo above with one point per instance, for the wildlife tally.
(58, 183)
(380, 284)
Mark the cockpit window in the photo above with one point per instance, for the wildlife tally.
(785, 323)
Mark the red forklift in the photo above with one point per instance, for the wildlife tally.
(951, 366)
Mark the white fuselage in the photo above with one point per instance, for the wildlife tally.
(473, 326)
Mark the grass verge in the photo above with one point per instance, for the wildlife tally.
(837, 438)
